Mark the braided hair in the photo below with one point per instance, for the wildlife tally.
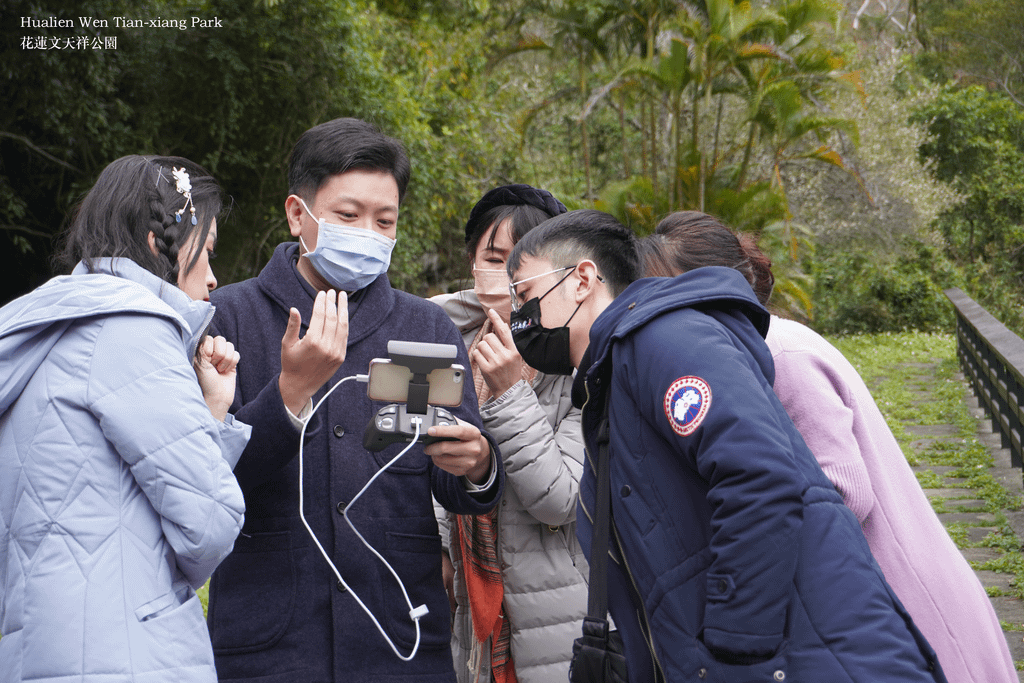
(685, 240)
(133, 197)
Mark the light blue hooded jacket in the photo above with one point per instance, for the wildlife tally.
(117, 498)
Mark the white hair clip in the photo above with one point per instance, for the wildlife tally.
(184, 186)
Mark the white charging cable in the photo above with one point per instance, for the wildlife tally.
(415, 613)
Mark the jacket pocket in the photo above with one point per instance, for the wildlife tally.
(413, 462)
(252, 594)
(178, 595)
(774, 670)
(417, 560)
(174, 633)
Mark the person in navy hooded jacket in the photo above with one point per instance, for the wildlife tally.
(738, 560)
(277, 611)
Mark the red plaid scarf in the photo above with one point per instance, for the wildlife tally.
(477, 537)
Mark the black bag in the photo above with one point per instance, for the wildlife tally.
(598, 657)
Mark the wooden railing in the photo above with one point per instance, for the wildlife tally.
(992, 359)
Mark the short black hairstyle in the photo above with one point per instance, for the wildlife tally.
(133, 196)
(524, 206)
(584, 234)
(522, 219)
(342, 145)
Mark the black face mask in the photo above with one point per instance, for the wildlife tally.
(544, 349)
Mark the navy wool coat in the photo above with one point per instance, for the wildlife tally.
(744, 561)
(277, 613)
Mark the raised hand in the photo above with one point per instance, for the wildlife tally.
(215, 365)
(309, 362)
(497, 358)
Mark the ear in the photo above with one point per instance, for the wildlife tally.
(588, 282)
(294, 211)
(151, 238)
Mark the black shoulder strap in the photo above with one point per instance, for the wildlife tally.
(597, 601)
(601, 541)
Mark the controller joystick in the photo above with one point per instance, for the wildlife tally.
(394, 424)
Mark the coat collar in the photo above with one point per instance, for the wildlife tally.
(464, 308)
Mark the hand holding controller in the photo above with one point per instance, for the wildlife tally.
(394, 424)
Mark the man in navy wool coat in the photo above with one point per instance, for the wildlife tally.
(738, 561)
(319, 311)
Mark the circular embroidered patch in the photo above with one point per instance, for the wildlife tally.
(687, 402)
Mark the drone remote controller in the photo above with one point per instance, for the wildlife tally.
(394, 424)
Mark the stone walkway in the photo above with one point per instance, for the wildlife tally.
(961, 501)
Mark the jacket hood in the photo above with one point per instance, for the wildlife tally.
(32, 324)
(714, 288)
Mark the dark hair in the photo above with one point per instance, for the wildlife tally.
(525, 206)
(584, 234)
(341, 145)
(685, 240)
(133, 196)
(522, 219)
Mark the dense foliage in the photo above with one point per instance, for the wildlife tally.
(819, 127)
(235, 99)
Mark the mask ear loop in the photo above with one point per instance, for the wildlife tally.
(303, 243)
(415, 613)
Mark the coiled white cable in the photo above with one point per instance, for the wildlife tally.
(415, 613)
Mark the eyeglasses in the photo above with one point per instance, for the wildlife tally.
(512, 285)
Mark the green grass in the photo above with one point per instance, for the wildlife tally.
(204, 596)
(891, 366)
(929, 480)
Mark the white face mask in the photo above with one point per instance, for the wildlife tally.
(349, 259)
(491, 288)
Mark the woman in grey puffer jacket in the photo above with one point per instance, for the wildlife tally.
(521, 628)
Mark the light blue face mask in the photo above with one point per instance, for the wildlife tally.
(348, 258)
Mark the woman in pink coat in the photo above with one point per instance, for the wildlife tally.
(837, 417)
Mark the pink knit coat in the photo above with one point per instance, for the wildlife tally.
(835, 414)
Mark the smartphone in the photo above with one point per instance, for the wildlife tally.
(390, 382)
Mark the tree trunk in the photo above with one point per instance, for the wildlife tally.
(746, 157)
(583, 128)
(627, 170)
(644, 134)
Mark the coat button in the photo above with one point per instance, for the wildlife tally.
(553, 528)
(703, 673)
(779, 675)
(722, 586)
(626, 490)
(341, 588)
(339, 431)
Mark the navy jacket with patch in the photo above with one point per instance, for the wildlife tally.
(276, 614)
(733, 536)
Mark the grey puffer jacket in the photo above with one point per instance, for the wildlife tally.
(544, 571)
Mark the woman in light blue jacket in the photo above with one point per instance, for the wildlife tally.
(117, 499)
